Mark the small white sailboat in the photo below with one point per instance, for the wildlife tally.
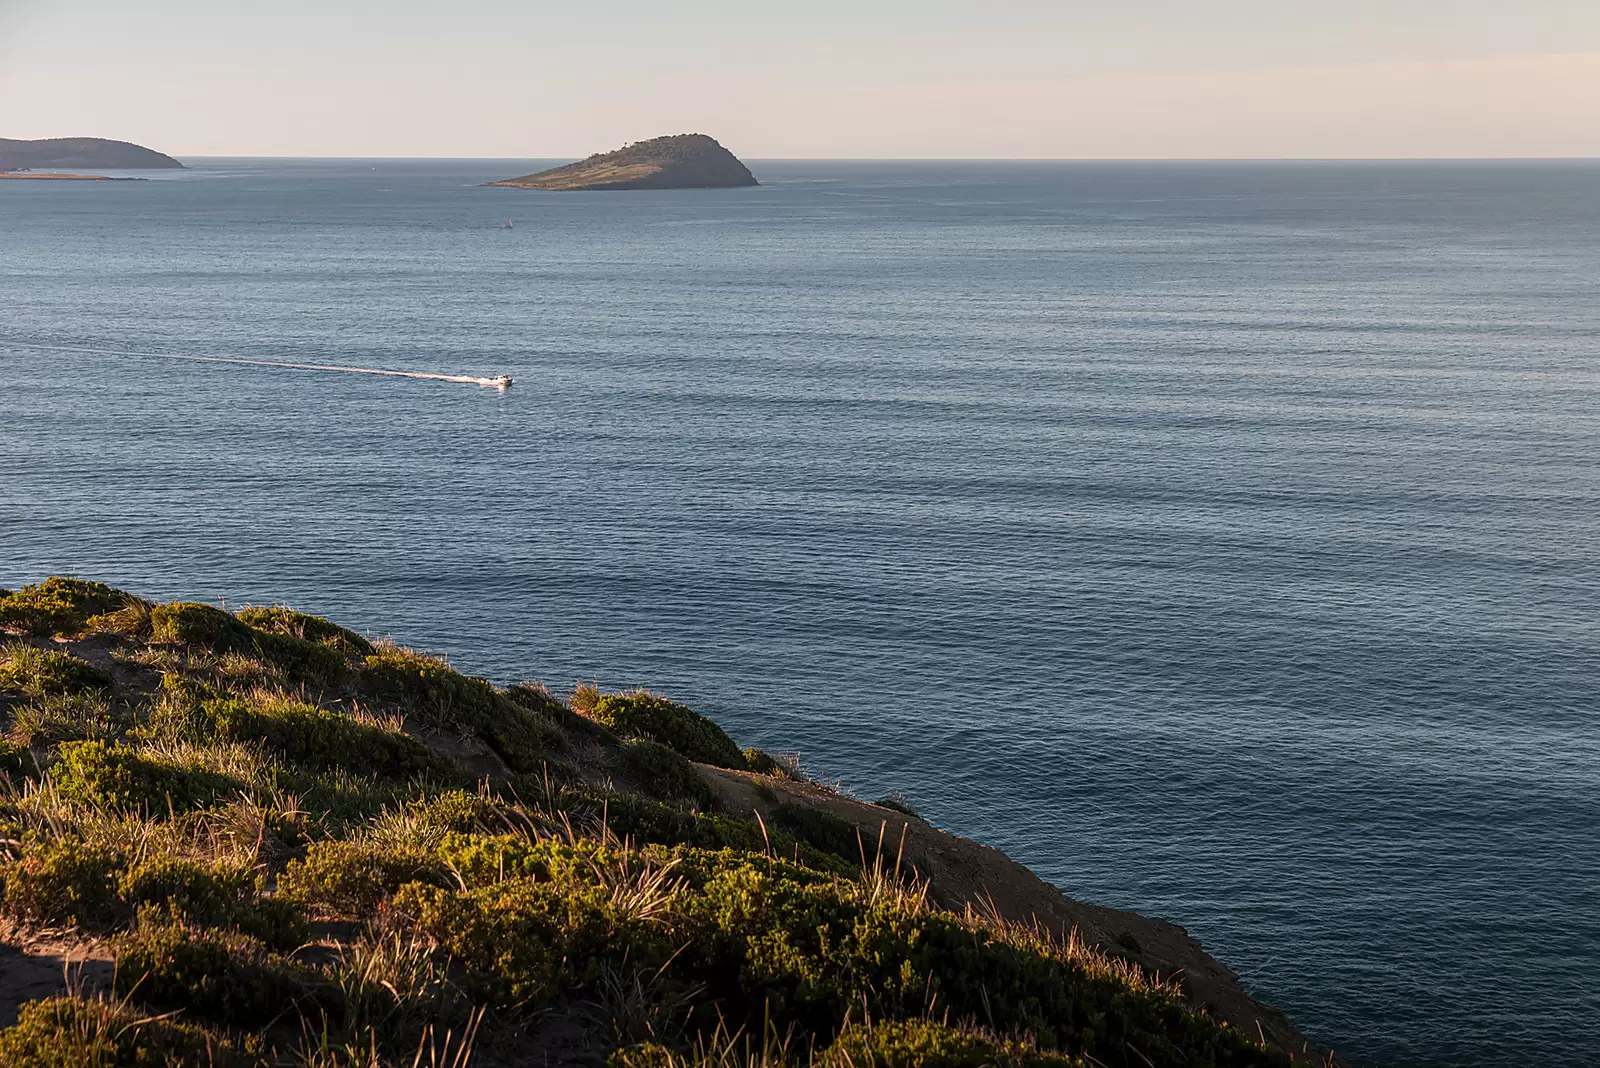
(508, 225)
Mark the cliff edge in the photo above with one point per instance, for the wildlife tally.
(254, 839)
(81, 153)
(681, 161)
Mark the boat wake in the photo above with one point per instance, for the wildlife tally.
(500, 382)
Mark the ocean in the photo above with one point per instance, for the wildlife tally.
(1220, 540)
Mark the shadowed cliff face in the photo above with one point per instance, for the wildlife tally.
(681, 161)
(73, 153)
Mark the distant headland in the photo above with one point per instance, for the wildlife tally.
(55, 176)
(679, 161)
(80, 153)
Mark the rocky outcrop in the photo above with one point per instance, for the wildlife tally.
(681, 161)
(80, 153)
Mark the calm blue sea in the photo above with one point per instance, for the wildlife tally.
(1219, 540)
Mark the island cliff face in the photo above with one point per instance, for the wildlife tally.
(681, 161)
(76, 153)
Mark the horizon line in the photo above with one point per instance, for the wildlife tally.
(970, 159)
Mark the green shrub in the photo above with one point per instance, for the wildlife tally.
(811, 954)
(39, 673)
(58, 606)
(442, 697)
(62, 881)
(219, 975)
(666, 773)
(454, 810)
(279, 619)
(16, 762)
(642, 714)
(392, 990)
(178, 711)
(212, 895)
(207, 627)
(341, 799)
(428, 686)
(538, 699)
(202, 625)
(69, 881)
(300, 659)
(648, 1055)
(764, 763)
(350, 878)
(927, 1044)
(821, 829)
(483, 859)
(131, 621)
(320, 737)
(64, 718)
(74, 1032)
(640, 820)
(525, 941)
(773, 944)
(116, 776)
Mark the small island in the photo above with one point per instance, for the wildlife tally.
(63, 154)
(680, 161)
(53, 176)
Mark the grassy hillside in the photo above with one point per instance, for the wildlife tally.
(76, 153)
(678, 161)
(273, 841)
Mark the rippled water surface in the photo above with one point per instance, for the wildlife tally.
(1219, 540)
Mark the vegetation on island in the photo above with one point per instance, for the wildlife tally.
(292, 845)
(678, 161)
(78, 153)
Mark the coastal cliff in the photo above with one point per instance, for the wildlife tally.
(681, 161)
(81, 153)
(259, 838)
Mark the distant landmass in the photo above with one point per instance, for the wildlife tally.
(52, 176)
(680, 161)
(78, 153)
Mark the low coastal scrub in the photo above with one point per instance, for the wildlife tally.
(310, 850)
(95, 1032)
(645, 715)
(429, 690)
(58, 606)
(203, 626)
(280, 619)
(39, 674)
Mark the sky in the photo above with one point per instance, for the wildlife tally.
(1013, 79)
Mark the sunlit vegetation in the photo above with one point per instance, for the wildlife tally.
(271, 823)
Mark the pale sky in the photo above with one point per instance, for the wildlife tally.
(1057, 79)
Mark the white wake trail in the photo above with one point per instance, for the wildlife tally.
(500, 382)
